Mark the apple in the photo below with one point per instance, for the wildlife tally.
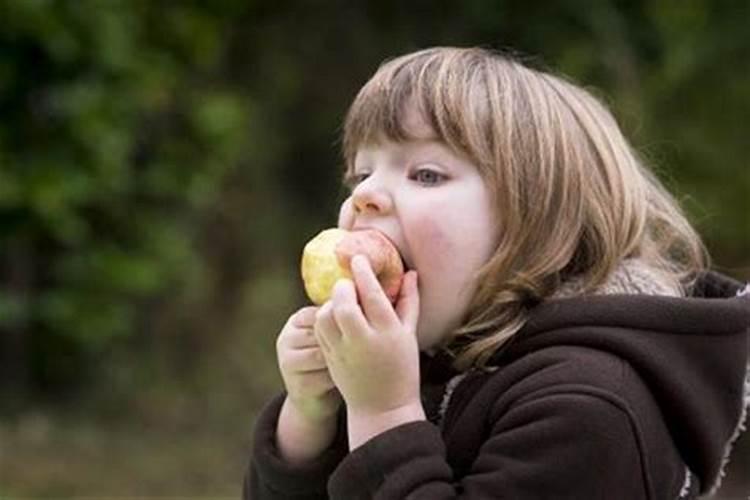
(327, 258)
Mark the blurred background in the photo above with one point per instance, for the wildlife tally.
(163, 163)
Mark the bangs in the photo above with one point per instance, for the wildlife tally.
(571, 199)
(441, 85)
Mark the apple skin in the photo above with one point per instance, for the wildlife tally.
(327, 257)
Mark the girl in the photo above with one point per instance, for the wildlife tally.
(557, 335)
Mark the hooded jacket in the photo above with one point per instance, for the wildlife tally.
(609, 396)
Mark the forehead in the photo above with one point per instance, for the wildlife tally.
(417, 134)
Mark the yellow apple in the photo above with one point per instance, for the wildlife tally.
(327, 258)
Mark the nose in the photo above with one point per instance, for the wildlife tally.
(370, 198)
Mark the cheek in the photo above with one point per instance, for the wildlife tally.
(448, 253)
(445, 256)
(449, 246)
(431, 244)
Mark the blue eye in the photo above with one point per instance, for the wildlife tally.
(428, 177)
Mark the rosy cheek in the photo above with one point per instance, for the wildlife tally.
(430, 244)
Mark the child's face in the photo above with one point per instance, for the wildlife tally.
(436, 209)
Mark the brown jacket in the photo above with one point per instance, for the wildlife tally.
(599, 397)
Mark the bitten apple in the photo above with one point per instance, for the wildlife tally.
(327, 259)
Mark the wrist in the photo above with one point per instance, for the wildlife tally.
(365, 425)
(311, 412)
(299, 438)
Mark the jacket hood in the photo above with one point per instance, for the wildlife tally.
(692, 353)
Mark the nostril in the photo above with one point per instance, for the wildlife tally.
(369, 206)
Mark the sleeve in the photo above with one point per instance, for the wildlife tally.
(561, 446)
(270, 477)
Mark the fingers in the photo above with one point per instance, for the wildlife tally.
(346, 214)
(375, 303)
(313, 383)
(407, 305)
(305, 360)
(326, 331)
(297, 338)
(298, 331)
(305, 317)
(346, 311)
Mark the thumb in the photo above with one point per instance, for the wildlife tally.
(346, 214)
(407, 305)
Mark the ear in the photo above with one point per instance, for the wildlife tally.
(346, 214)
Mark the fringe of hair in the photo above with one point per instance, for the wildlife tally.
(572, 199)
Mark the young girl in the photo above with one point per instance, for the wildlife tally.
(557, 334)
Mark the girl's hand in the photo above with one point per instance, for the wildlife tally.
(346, 215)
(309, 386)
(371, 348)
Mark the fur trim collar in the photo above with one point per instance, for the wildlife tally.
(632, 277)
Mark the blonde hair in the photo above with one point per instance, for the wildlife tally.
(572, 198)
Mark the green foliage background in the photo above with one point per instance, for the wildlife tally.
(162, 164)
